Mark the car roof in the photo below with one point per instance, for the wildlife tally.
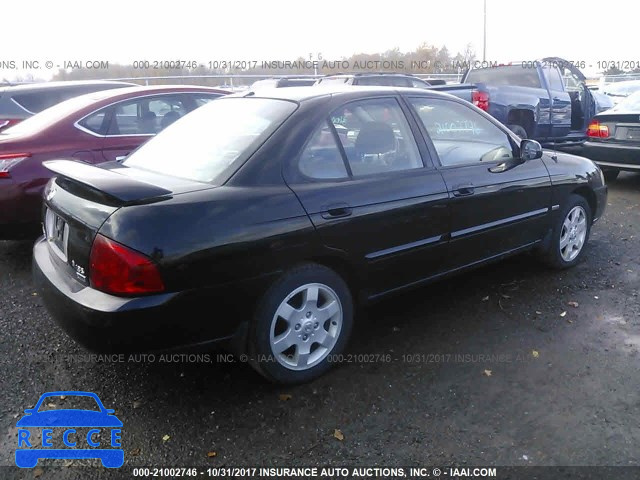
(124, 93)
(24, 87)
(369, 74)
(300, 94)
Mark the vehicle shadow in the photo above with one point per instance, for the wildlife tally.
(418, 316)
(225, 406)
(627, 182)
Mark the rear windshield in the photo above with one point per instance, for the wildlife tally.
(46, 97)
(509, 75)
(208, 144)
(48, 117)
(388, 81)
(297, 82)
(265, 83)
(622, 89)
(629, 104)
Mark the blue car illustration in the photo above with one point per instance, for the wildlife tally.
(77, 446)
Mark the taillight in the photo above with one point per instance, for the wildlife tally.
(9, 122)
(597, 130)
(118, 270)
(480, 100)
(9, 160)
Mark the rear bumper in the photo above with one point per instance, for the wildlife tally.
(623, 157)
(106, 323)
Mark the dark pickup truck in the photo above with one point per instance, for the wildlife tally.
(546, 100)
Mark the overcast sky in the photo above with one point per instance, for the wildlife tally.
(123, 31)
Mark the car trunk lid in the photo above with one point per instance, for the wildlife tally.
(120, 185)
(81, 198)
(622, 127)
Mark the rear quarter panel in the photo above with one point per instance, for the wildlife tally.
(217, 236)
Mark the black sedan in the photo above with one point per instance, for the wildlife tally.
(614, 138)
(260, 220)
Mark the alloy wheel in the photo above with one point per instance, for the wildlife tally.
(306, 326)
(573, 233)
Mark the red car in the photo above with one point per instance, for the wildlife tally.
(93, 128)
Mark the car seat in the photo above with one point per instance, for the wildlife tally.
(168, 119)
(148, 123)
(375, 138)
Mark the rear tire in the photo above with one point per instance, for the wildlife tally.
(304, 319)
(518, 130)
(611, 174)
(570, 234)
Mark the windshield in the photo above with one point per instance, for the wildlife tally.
(631, 103)
(506, 75)
(622, 89)
(48, 117)
(207, 144)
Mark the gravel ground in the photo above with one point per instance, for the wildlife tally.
(495, 367)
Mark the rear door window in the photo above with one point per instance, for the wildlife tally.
(376, 137)
(145, 116)
(321, 159)
(127, 119)
(96, 122)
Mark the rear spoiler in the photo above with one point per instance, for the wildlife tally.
(107, 183)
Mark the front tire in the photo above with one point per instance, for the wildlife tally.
(304, 319)
(570, 234)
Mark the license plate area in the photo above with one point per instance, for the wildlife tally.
(57, 233)
(633, 134)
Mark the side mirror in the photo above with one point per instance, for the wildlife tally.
(530, 150)
(29, 410)
(109, 411)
